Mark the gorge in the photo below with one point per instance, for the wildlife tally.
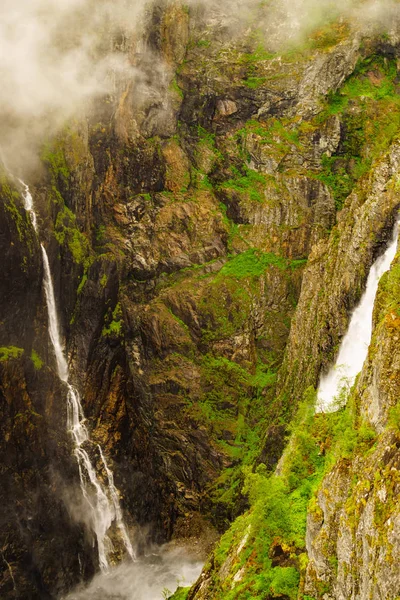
(198, 220)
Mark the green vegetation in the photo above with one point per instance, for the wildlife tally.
(389, 296)
(368, 105)
(248, 182)
(37, 361)
(233, 410)
(66, 231)
(254, 82)
(20, 218)
(328, 35)
(175, 88)
(272, 533)
(203, 44)
(53, 155)
(253, 263)
(253, 61)
(180, 594)
(10, 353)
(260, 54)
(115, 323)
(82, 284)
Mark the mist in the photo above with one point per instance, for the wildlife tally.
(152, 577)
(56, 56)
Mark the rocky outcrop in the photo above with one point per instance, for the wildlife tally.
(336, 274)
(179, 218)
(352, 535)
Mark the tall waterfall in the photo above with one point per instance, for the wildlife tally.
(354, 347)
(102, 500)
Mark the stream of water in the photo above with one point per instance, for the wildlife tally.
(101, 499)
(354, 347)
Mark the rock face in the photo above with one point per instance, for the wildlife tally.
(352, 538)
(336, 275)
(208, 240)
(37, 470)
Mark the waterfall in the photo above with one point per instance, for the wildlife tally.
(354, 347)
(54, 332)
(102, 500)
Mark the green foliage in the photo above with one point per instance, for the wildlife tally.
(115, 323)
(369, 109)
(253, 263)
(394, 417)
(279, 504)
(53, 156)
(203, 44)
(285, 582)
(253, 61)
(180, 594)
(37, 361)
(82, 284)
(100, 234)
(249, 182)
(389, 295)
(66, 231)
(253, 82)
(260, 54)
(337, 177)
(280, 133)
(20, 218)
(175, 88)
(10, 353)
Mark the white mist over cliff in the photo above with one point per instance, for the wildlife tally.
(57, 55)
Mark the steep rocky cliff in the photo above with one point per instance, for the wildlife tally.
(210, 225)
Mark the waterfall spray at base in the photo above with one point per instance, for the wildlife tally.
(354, 347)
(101, 500)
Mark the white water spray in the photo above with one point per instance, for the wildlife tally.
(354, 347)
(102, 501)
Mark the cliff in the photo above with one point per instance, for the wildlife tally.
(209, 239)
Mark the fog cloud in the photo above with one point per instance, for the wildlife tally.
(56, 55)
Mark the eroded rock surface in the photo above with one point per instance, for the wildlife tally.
(184, 226)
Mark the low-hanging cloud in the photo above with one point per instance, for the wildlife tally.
(57, 55)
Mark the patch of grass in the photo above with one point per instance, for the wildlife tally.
(20, 218)
(203, 44)
(66, 231)
(82, 284)
(258, 55)
(253, 263)
(10, 353)
(175, 88)
(248, 182)
(254, 82)
(115, 323)
(53, 156)
(37, 361)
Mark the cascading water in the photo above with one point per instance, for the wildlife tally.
(354, 347)
(102, 501)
